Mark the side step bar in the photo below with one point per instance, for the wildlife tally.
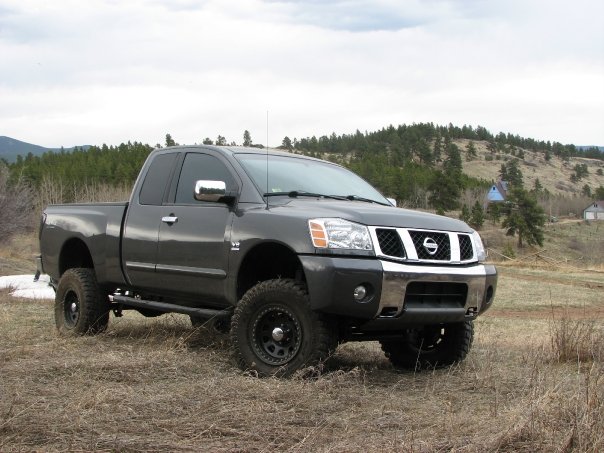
(169, 308)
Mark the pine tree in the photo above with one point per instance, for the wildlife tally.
(437, 149)
(525, 218)
(170, 141)
(470, 151)
(477, 219)
(287, 143)
(465, 213)
(247, 138)
(445, 192)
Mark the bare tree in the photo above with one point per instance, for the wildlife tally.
(16, 206)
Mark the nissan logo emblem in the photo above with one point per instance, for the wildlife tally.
(431, 246)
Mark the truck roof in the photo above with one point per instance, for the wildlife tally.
(232, 150)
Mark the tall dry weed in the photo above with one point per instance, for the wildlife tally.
(575, 340)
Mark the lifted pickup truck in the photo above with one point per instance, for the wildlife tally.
(293, 255)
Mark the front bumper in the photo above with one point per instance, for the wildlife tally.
(399, 294)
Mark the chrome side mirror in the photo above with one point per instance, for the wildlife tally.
(212, 191)
(392, 201)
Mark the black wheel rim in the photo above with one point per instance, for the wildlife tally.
(71, 309)
(428, 338)
(276, 335)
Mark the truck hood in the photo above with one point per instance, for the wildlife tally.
(367, 214)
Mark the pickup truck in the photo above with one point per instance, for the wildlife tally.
(292, 255)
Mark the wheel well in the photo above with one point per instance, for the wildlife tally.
(265, 262)
(74, 254)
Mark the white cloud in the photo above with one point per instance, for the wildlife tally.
(99, 71)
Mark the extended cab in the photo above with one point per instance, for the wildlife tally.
(292, 255)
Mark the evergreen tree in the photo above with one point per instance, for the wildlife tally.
(537, 187)
(512, 173)
(170, 141)
(437, 149)
(424, 153)
(287, 143)
(444, 192)
(471, 151)
(465, 213)
(586, 191)
(247, 138)
(453, 164)
(477, 219)
(525, 218)
(221, 141)
(503, 172)
(208, 141)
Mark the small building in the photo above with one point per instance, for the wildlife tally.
(498, 192)
(594, 211)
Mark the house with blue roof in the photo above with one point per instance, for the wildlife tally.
(498, 192)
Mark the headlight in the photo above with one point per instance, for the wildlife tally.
(339, 234)
(481, 253)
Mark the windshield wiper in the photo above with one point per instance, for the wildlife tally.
(301, 193)
(367, 200)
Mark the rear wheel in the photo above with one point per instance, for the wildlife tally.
(80, 307)
(434, 346)
(274, 331)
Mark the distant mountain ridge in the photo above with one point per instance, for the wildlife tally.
(10, 148)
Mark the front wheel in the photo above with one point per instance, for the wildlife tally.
(434, 346)
(274, 331)
(79, 305)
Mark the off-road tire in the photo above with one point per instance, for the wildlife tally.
(80, 307)
(282, 305)
(430, 347)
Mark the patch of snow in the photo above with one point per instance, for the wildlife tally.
(25, 287)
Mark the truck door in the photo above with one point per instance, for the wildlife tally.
(141, 229)
(194, 236)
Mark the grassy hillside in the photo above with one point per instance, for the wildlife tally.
(554, 175)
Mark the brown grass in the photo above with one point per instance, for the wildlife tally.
(160, 385)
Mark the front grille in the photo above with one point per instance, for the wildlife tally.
(390, 242)
(436, 294)
(431, 245)
(465, 247)
(427, 246)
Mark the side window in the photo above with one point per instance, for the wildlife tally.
(158, 174)
(196, 167)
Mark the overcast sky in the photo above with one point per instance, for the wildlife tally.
(106, 71)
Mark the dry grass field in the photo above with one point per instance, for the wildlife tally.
(534, 381)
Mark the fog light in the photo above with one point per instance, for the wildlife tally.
(359, 293)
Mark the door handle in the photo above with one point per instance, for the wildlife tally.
(169, 219)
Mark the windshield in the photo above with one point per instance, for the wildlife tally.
(287, 175)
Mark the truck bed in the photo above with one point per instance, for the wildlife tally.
(98, 226)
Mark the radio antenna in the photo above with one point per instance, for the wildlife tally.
(267, 196)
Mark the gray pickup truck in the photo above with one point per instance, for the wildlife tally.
(292, 255)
